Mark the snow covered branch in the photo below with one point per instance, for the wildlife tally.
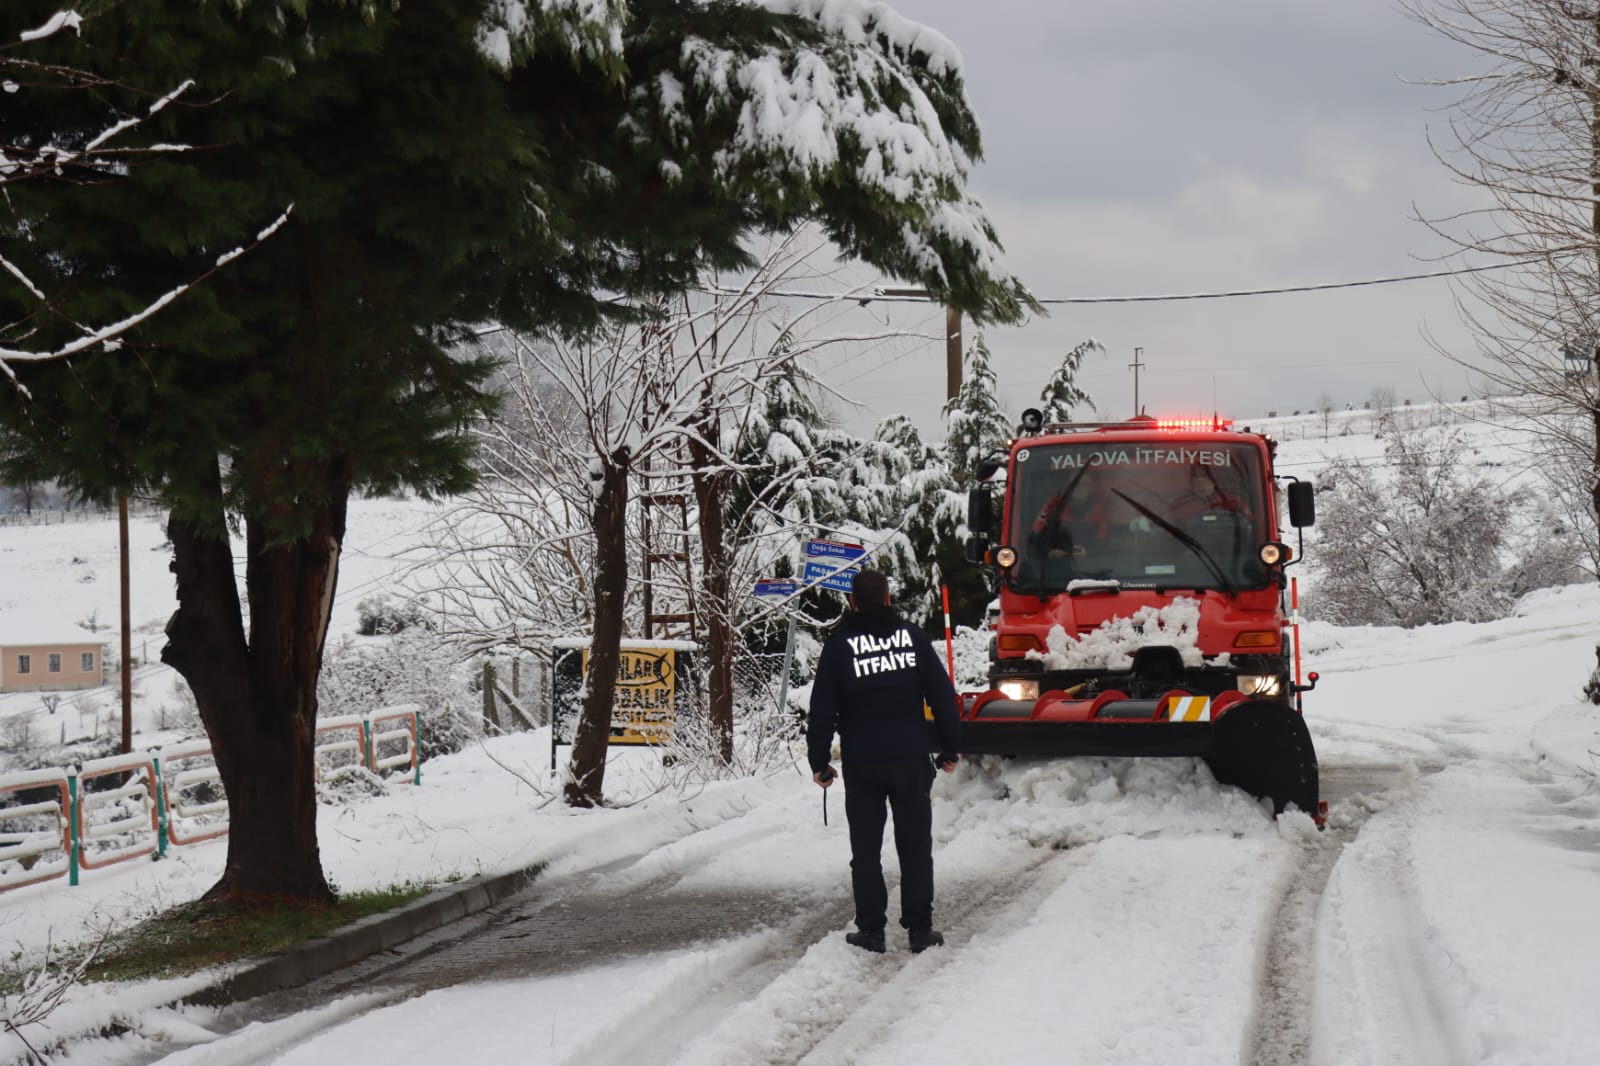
(107, 334)
(95, 159)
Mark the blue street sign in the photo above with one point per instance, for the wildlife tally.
(775, 588)
(833, 549)
(832, 577)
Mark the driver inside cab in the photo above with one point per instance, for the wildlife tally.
(1081, 518)
(1205, 495)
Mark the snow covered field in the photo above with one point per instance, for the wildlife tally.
(1098, 911)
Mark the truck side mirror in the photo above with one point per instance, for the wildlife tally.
(988, 465)
(1302, 504)
(980, 512)
(980, 520)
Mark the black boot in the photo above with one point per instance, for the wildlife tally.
(923, 939)
(867, 941)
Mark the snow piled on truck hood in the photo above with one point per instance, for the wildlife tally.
(1111, 645)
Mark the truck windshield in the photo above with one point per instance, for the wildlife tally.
(1149, 514)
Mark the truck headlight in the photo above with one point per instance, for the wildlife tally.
(1016, 689)
(1259, 685)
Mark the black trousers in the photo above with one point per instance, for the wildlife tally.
(872, 787)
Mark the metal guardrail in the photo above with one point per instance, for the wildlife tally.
(172, 796)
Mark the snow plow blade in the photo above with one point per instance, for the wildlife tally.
(1260, 746)
(1265, 748)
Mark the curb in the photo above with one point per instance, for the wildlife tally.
(311, 959)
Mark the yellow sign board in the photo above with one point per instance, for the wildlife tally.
(642, 709)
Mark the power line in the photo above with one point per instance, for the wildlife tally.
(893, 294)
(1275, 291)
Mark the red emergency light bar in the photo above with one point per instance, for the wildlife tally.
(1032, 424)
(1194, 423)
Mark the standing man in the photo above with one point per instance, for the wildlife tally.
(872, 679)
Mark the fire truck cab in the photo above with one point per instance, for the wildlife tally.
(1142, 600)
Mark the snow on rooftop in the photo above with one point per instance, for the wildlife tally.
(21, 628)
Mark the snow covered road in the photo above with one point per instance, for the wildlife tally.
(1150, 939)
(1101, 912)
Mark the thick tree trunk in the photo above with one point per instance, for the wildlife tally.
(716, 572)
(257, 695)
(587, 769)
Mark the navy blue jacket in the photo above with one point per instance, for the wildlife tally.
(872, 679)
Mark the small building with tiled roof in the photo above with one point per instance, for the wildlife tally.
(43, 654)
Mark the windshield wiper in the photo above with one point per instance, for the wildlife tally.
(1185, 539)
(1083, 586)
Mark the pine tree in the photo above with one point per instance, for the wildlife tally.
(448, 162)
(1062, 393)
(975, 425)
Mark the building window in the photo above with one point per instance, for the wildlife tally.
(55, 662)
(88, 662)
(24, 664)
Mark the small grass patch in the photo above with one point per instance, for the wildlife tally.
(202, 934)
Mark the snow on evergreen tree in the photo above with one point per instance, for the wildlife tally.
(891, 492)
(616, 149)
(1062, 393)
(929, 512)
(975, 424)
(784, 453)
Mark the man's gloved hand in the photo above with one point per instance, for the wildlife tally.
(824, 776)
(946, 761)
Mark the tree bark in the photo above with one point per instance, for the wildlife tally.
(587, 768)
(257, 694)
(716, 572)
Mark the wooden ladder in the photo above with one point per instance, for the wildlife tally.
(676, 616)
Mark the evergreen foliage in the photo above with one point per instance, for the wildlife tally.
(975, 424)
(447, 162)
(1062, 394)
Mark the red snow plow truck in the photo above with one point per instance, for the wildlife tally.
(1140, 569)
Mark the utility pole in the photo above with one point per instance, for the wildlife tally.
(1137, 366)
(952, 338)
(127, 636)
(952, 352)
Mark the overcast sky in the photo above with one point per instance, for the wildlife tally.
(1167, 146)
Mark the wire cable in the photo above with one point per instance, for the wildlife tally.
(894, 294)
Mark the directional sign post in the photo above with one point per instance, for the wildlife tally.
(830, 564)
(781, 588)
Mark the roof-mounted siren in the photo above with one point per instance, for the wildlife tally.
(1032, 422)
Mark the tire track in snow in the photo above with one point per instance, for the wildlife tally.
(833, 998)
(1283, 1030)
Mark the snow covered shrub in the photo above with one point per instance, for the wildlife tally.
(379, 616)
(349, 786)
(17, 734)
(409, 667)
(1428, 540)
(182, 713)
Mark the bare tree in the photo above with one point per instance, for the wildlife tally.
(1431, 540)
(27, 496)
(1526, 132)
(653, 406)
(1325, 409)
